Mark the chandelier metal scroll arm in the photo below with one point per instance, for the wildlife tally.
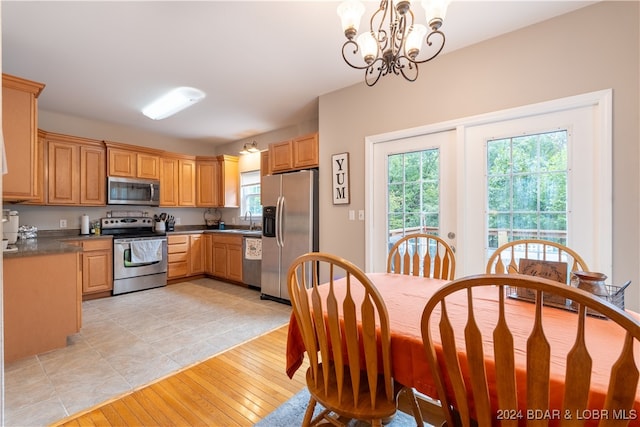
(409, 70)
(356, 48)
(382, 69)
(429, 43)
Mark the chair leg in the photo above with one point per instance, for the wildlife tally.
(309, 412)
(415, 409)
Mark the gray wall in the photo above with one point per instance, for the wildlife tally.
(593, 48)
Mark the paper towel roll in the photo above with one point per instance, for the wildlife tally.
(84, 224)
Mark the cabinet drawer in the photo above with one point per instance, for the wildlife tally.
(96, 245)
(178, 248)
(179, 239)
(229, 240)
(177, 257)
(177, 269)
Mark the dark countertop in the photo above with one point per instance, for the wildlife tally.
(56, 242)
(49, 244)
(231, 231)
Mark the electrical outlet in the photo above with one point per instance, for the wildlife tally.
(178, 221)
(63, 223)
(361, 215)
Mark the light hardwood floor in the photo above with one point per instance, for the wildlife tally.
(238, 387)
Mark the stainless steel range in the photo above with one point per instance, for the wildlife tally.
(139, 253)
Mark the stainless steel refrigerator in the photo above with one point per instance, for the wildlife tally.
(289, 226)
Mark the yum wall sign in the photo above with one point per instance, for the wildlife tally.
(340, 172)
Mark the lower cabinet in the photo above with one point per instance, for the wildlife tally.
(186, 255)
(214, 254)
(178, 256)
(45, 303)
(196, 254)
(96, 266)
(227, 257)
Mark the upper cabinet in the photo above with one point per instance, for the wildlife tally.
(177, 180)
(168, 181)
(20, 130)
(298, 153)
(217, 181)
(132, 162)
(76, 171)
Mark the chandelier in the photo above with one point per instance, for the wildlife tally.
(393, 44)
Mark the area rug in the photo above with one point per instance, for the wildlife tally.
(291, 413)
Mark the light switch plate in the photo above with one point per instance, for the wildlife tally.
(361, 214)
(352, 215)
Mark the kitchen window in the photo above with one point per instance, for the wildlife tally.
(250, 194)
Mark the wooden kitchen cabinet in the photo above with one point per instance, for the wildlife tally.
(196, 254)
(227, 256)
(20, 131)
(41, 155)
(217, 181)
(148, 166)
(186, 182)
(281, 156)
(177, 180)
(168, 181)
(265, 167)
(93, 174)
(207, 171)
(178, 256)
(96, 265)
(229, 182)
(76, 170)
(298, 153)
(186, 255)
(207, 246)
(129, 161)
(42, 305)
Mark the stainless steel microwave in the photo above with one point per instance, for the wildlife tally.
(133, 191)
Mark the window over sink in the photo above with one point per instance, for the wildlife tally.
(250, 195)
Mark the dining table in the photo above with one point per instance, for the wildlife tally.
(405, 298)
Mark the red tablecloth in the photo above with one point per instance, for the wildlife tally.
(405, 298)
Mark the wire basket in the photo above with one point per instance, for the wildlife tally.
(615, 296)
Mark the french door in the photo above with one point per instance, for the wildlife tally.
(414, 190)
(467, 185)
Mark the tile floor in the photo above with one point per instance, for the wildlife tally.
(129, 340)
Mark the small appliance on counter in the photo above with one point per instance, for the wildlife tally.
(10, 226)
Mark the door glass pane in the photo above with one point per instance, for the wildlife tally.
(414, 194)
(527, 188)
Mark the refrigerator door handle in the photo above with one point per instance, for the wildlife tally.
(280, 219)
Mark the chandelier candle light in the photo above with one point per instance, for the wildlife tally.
(393, 43)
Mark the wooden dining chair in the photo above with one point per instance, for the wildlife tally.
(460, 358)
(422, 255)
(347, 339)
(506, 258)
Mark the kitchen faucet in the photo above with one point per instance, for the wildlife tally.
(250, 219)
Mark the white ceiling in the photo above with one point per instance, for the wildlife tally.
(262, 64)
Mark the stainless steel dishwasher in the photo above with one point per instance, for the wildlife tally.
(252, 261)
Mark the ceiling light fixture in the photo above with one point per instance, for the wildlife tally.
(396, 47)
(249, 148)
(172, 102)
